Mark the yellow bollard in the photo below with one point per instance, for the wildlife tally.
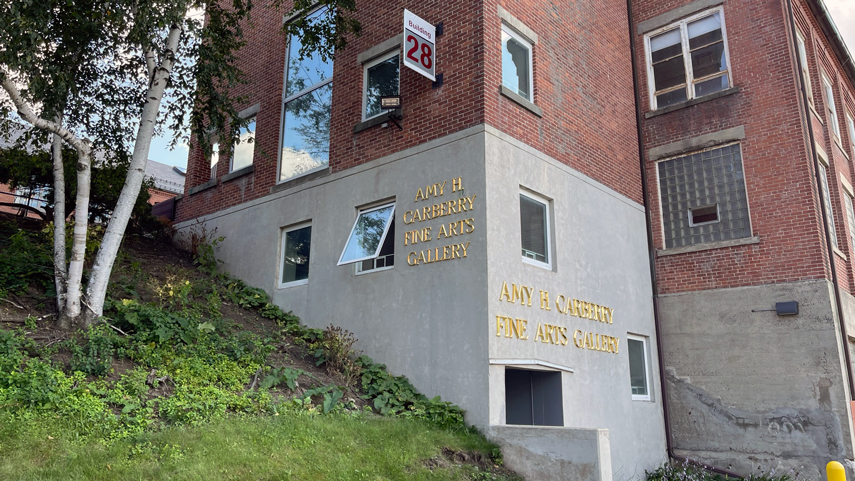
(835, 472)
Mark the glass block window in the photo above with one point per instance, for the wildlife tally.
(826, 198)
(689, 186)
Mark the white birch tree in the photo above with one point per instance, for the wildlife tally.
(107, 76)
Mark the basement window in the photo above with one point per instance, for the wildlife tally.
(296, 245)
(533, 398)
(703, 215)
(368, 235)
(638, 373)
(534, 230)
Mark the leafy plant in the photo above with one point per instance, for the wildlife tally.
(93, 354)
(283, 375)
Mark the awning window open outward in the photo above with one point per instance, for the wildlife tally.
(368, 233)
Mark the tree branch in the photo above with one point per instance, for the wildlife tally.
(26, 112)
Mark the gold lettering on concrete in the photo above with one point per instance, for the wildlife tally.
(457, 184)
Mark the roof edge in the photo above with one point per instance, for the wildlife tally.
(829, 29)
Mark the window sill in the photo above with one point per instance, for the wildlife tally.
(201, 187)
(816, 114)
(239, 173)
(518, 99)
(379, 120)
(301, 179)
(840, 253)
(689, 103)
(708, 246)
(302, 282)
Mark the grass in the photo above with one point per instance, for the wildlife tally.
(289, 446)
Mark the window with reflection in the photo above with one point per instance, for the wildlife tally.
(307, 108)
(296, 246)
(688, 59)
(381, 80)
(243, 149)
(516, 63)
(369, 238)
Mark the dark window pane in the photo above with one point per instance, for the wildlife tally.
(711, 86)
(637, 368)
(671, 98)
(382, 82)
(708, 60)
(533, 228)
(306, 133)
(705, 31)
(669, 73)
(295, 262)
(666, 45)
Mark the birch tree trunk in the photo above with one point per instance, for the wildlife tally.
(71, 308)
(97, 289)
(60, 273)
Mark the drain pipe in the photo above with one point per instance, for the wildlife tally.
(652, 261)
(825, 214)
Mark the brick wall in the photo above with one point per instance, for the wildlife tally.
(779, 175)
(583, 83)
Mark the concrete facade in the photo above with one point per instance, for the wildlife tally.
(743, 388)
(436, 322)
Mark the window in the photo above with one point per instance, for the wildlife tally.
(306, 106)
(35, 197)
(638, 374)
(688, 59)
(381, 79)
(826, 199)
(804, 65)
(242, 151)
(703, 197)
(533, 398)
(850, 126)
(516, 63)
(368, 235)
(850, 217)
(215, 158)
(829, 102)
(296, 244)
(534, 230)
(385, 258)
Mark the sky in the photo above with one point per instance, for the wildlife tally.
(842, 11)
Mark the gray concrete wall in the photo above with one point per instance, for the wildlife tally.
(600, 256)
(752, 390)
(555, 454)
(424, 321)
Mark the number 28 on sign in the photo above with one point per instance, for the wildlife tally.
(419, 43)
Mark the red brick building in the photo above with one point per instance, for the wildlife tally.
(531, 141)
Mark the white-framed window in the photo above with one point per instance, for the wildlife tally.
(826, 196)
(380, 78)
(850, 217)
(688, 59)
(215, 158)
(296, 247)
(703, 198)
(517, 71)
(367, 238)
(535, 233)
(803, 62)
(639, 371)
(243, 150)
(850, 127)
(828, 88)
(306, 109)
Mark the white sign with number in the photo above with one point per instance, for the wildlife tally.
(419, 42)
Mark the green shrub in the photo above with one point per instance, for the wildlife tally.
(26, 260)
(93, 353)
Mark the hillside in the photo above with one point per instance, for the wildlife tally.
(193, 375)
